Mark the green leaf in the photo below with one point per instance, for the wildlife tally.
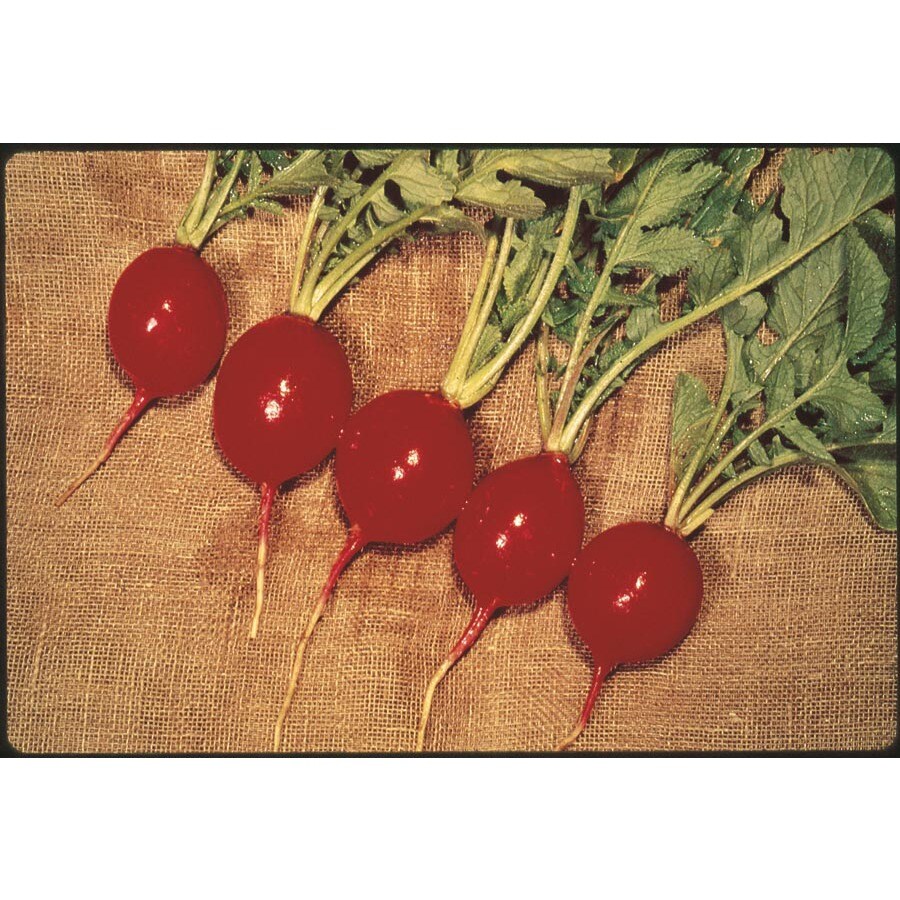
(851, 409)
(505, 198)
(562, 168)
(744, 316)
(872, 472)
(691, 413)
(665, 189)
(664, 251)
(420, 183)
(868, 290)
(737, 163)
(820, 188)
(371, 159)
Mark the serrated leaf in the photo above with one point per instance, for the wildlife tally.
(420, 183)
(562, 168)
(505, 198)
(665, 251)
(872, 472)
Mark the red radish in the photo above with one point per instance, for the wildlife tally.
(282, 395)
(404, 465)
(514, 542)
(634, 594)
(168, 317)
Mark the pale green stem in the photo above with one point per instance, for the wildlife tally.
(336, 232)
(460, 363)
(572, 372)
(199, 234)
(542, 367)
(704, 510)
(303, 251)
(485, 306)
(341, 275)
(198, 203)
(755, 435)
(481, 381)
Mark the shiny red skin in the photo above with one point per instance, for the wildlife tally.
(634, 593)
(283, 393)
(520, 530)
(168, 317)
(404, 465)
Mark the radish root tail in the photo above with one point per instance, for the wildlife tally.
(476, 625)
(265, 515)
(355, 543)
(600, 674)
(139, 404)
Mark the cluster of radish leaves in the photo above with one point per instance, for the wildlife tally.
(822, 392)
(236, 182)
(688, 209)
(368, 198)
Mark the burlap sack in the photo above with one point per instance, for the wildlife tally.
(128, 608)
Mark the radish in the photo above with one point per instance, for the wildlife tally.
(635, 591)
(404, 463)
(168, 314)
(283, 392)
(514, 542)
(679, 209)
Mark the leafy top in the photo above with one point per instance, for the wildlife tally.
(806, 396)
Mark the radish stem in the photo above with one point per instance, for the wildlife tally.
(265, 514)
(480, 382)
(600, 673)
(476, 625)
(303, 251)
(355, 543)
(138, 405)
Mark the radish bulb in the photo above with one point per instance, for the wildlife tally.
(282, 395)
(168, 317)
(634, 594)
(514, 542)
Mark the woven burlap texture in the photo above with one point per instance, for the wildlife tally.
(128, 608)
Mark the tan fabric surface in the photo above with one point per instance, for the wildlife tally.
(128, 608)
